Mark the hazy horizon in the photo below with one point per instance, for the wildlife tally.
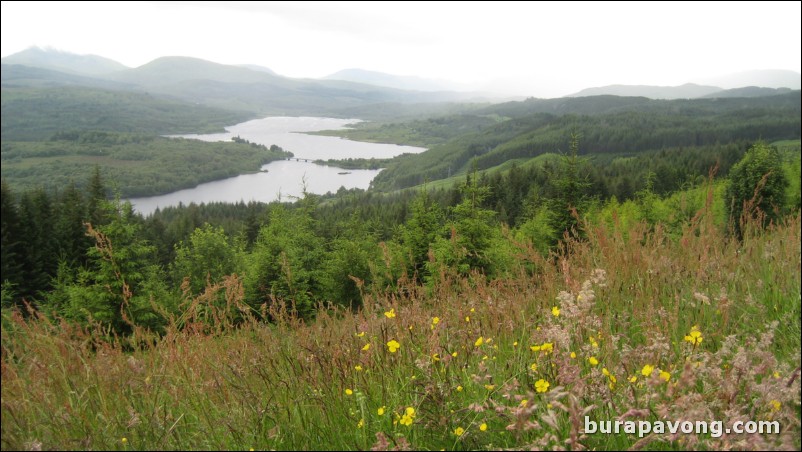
(531, 49)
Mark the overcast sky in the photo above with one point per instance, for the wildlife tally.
(540, 49)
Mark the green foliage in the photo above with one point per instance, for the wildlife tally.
(205, 258)
(608, 125)
(568, 194)
(757, 187)
(285, 263)
(36, 114)
(140, 165)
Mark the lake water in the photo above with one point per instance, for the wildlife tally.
(284, 179)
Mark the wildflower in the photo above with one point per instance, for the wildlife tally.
(647, 370)
(436, 357)
(454, 354)
(408, 417)
(393, 346)
(483, 427)
(479, 342)
(515, 344)
(555, 311)
(633, 379)
(348, 392)
(524, 402)
(390, 314)
(484, 358)
(549, 406)
(435, 321)
(533, 366)
(490, 387)
(366, 347)
(665, 375)
(534, 348)
(358, 368)
(776, 375)
(459, 431)
(467, 318)
(775, 405)
(360, 334)
(573, 355)
(593, 361)
(542, 385)
(695, 336)
(124, 440)
(473, 310)
(605, 372)
(547, 347)
(459, 388)
(381, 409)
(361, 423)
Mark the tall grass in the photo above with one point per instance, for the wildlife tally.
(598, 330)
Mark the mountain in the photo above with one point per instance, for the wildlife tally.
(749, 91)
(91, 65)
(20, 75)
(686, 91)
(241, 88)
(256, 67)
(391, 81)
(764, 78)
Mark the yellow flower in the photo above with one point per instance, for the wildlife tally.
(555, 311)
(479, 342)
(390, 314)
(695, 336)
(459, 388)
(393, 346)
(573, 355)
(360, 334)
(665, 375)
(454, 354)
(483, 427)
(549, 406)
(534, 348)
(547, 347)
(436, 357)
(348, 392)
(593, 361)
(633, 379)
(775, 405)
(366, 347)
(647, 370)
(473, 310)
(515, 344)
(435, 321)
(408, 417)
(776, 374)
(124, 440)
(490, 387)
(542, 385)
(381, 410)
(605, 372)
(524, 402)
(459, 431)
(361, 423)
(533, 366)
(467, 318)
(358, 368)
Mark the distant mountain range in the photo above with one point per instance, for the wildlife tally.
(91, 65)
(259, 90)
(254, 89)
(742, 84)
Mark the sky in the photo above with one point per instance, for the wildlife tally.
(537, 49)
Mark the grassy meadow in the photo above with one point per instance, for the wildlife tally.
(629, 324)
